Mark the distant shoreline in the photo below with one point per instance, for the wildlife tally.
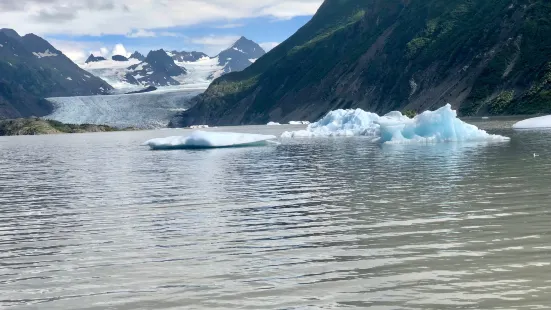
(38, 126)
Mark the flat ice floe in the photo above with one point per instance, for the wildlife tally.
(441, 125)
(206, 140)
(273, 124)
(534, 123)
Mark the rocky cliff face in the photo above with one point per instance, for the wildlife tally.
(240, 55)
(137, 55)
(157, 69)
(32, 69)
(482, 56)
(187, 56)
(119, 58)
(93, 58)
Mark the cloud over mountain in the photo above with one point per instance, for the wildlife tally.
(121, 17)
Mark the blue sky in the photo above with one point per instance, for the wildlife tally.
(209, 38)
(81, 27)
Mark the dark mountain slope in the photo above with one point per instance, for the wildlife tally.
(483, 56)
(31, 69)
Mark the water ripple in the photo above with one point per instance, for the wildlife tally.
(94, 221)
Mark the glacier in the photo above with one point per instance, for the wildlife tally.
(144, 111)
(113, 72)
(205, 140)
(199, 75)
(541, 122)
(441, 125)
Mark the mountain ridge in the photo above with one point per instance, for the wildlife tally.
(31, 69)
(483, 57)
(240, 55)
(157, 69)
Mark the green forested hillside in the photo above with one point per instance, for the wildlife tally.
(482, 56)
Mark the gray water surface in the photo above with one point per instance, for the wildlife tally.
(96, 221)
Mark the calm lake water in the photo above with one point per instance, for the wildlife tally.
(96, 221)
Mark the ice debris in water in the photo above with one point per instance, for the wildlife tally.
(203, 139)
(441, 125)
(273, 124)
(299, 123)
(534, 123)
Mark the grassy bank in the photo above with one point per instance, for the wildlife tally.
(37, 126)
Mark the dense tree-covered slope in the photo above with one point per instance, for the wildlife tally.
(482, 56)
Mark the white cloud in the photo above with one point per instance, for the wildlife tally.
(121, 17)
(212, 45)
(215, 40)
(79, 51)
(230, 26)
(168, 34)
(268, 46)
(290, 9)
(119, 49)
(141, 33)
(103, 52)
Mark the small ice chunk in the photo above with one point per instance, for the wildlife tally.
(441, 125)
(199, 126)
(205, 140)
(273, 124)
(299, 123)
(534, 123)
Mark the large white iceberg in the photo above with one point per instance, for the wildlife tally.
(205, 140)
(273, 124)
(441, 125)
(534, 123)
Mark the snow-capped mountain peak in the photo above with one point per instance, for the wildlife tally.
(240, 55)
(157, 69)
(175, 68)
(187, 56)
(137, 55)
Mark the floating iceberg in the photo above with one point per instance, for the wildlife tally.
(199, 126)
(534, 123)
(340, 123)
(299, 123)
(273, 124)
(441, 125)
(206, 140)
